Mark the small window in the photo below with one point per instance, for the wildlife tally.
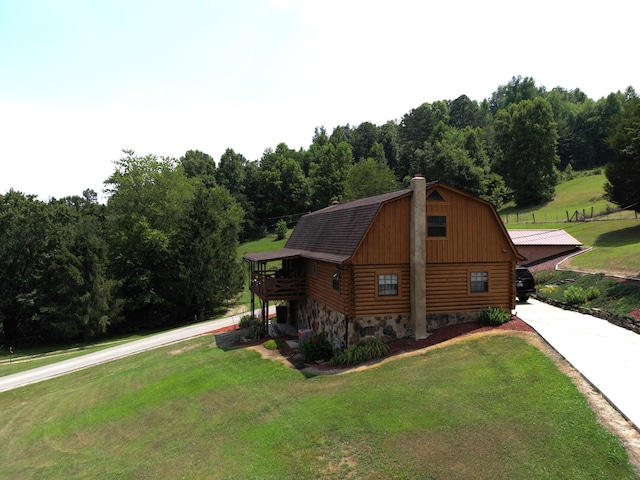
(336, 281)
(313, 269)
(436, 226)
(479, 282)
(388, 284)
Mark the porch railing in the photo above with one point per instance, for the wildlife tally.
(268, 286)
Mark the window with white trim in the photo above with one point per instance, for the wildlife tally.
(478, 282)
(388, 284)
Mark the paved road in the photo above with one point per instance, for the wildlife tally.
(153, 341)
(606, 355)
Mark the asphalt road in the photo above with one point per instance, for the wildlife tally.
(39, 374)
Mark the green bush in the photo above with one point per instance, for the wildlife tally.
(592, 293)
(369, 349)
(270, 344)
(281, 229)
(494, 316)
(575, 295)
(316, 348)
(253, 328)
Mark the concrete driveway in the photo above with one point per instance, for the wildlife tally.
(606, 355)
(108, 354)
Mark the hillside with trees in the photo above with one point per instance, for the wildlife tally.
(162, 250)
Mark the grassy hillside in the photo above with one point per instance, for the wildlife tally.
(615, 238)
(583, 194)
(489, 407)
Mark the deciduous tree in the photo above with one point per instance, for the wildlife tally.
(528, 137)
(623, 173)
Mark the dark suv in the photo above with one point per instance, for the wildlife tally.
(525, 283)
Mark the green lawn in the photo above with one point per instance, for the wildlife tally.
(491, 407)
(583, 194)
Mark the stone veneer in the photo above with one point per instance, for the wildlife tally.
(441, 320)
(318, 317)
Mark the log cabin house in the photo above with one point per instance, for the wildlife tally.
(394, 265)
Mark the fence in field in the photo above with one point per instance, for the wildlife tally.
(583, 215)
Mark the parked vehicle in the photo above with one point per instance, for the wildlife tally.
(525, 283)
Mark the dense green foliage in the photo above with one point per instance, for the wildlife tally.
(162, 249)
(527, 135)
(494, 316)
(623, 172)
(368, 349)
(592, 290)
(317, 347)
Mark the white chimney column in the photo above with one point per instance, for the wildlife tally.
(418, 258)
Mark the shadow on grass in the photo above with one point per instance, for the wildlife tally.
(228, 340)
(619, 238)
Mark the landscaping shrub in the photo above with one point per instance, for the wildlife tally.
(253, 328)
(575, 295)
(592, 293)
(316, 348)
(281, 229)
(270, 344)
(369, 349)
(494, 316)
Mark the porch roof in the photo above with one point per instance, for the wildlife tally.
(289, 253)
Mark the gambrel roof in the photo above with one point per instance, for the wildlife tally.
(333, 233)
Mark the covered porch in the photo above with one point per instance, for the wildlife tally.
(276, 277)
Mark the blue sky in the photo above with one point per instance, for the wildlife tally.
(82, 80)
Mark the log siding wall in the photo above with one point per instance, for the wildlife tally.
(475, 242)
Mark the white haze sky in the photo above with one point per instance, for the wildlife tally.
(80, 80)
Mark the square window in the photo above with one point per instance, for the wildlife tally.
(478, 282)
(436, 226)
(388, 284)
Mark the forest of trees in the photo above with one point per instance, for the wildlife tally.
(162, 250)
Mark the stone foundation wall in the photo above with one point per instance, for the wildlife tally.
(441, 320)
(316, 316)
(385, 327)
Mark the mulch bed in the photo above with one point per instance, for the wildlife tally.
(401, 345)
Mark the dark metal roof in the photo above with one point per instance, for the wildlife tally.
(542, 237)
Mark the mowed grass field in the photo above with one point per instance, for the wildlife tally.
(488, 407)
(582, 194)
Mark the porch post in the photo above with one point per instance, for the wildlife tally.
(418, 258)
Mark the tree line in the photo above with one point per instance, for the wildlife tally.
(162, 250)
